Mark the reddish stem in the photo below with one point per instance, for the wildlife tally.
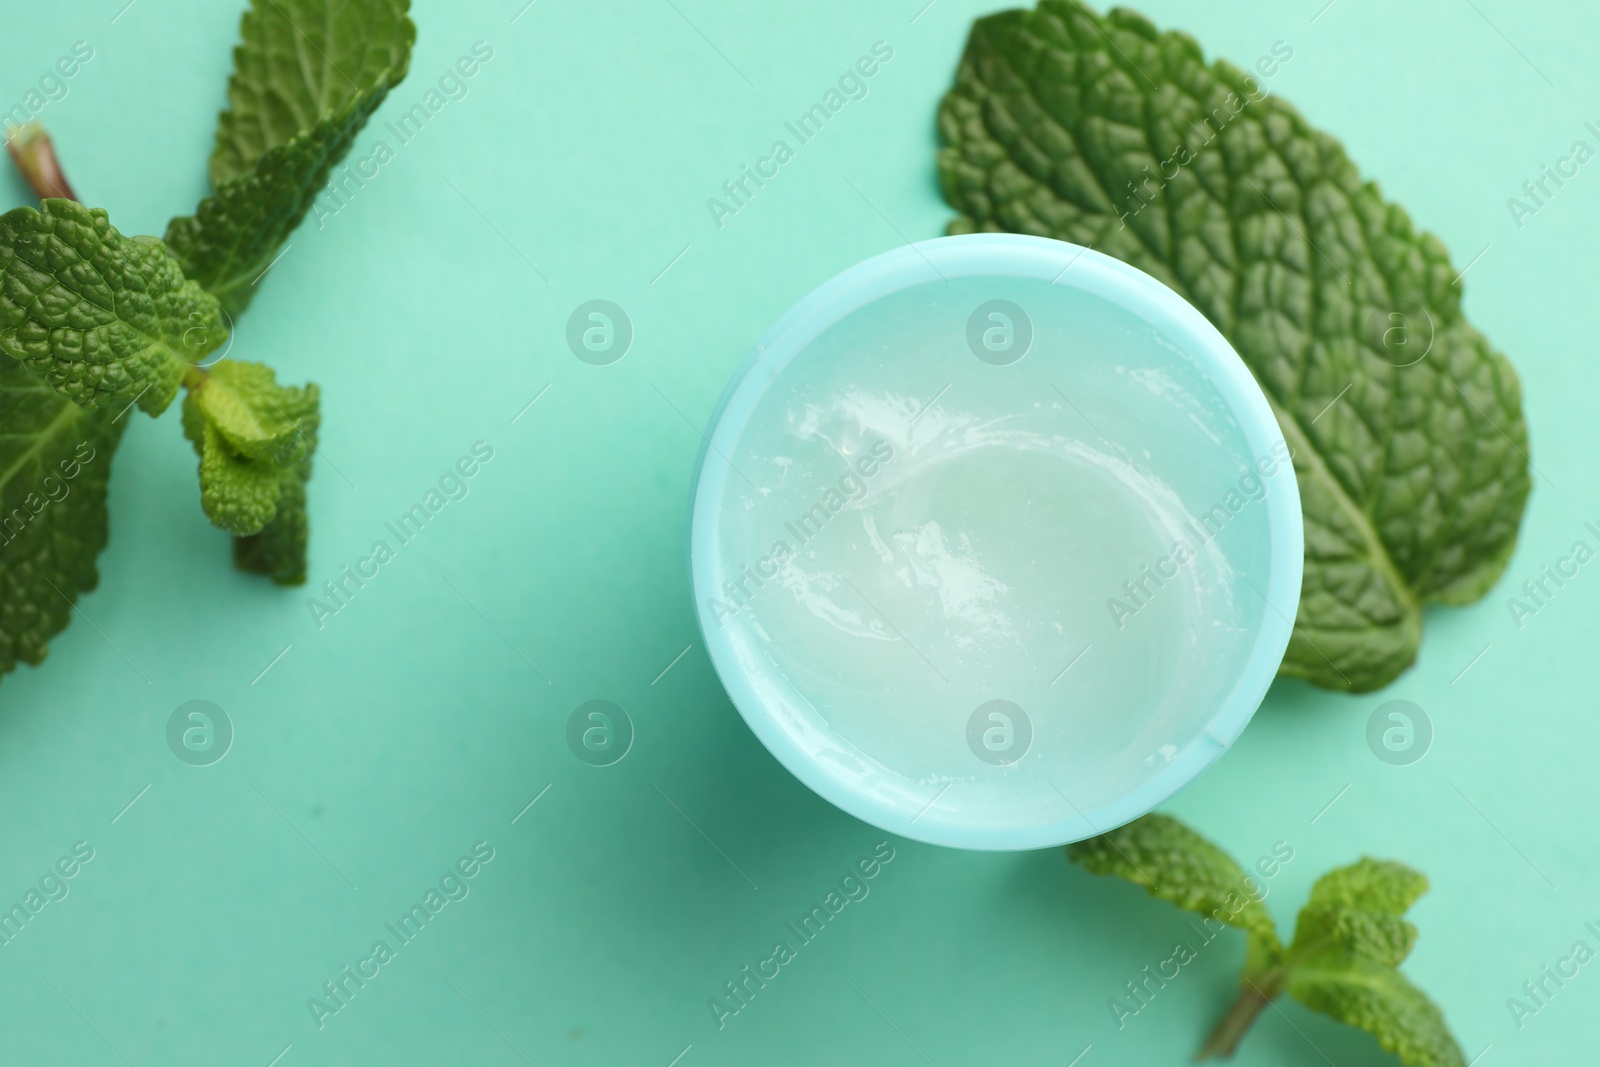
(35, 157)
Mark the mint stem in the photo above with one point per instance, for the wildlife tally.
(1252, 1000)
(35, 156)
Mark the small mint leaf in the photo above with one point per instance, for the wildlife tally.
(258, 418)
(279, 550)
(1177, 865)
(1361, 992)
(55, 463)
(1359, 909)
(238, 495)
(103, 319)
(254, 438)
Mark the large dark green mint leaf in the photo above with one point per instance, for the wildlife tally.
(307, 76)
(55, 461)
(1413, 468)
(104, 319)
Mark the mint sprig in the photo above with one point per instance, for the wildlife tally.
(1407, 427)
(95, 322)
(1349, 941)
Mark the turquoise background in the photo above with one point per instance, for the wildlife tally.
(426, 715)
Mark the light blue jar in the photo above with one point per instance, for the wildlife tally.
(996, 542)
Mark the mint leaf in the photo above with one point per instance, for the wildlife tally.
(1102, 131)
(1360, 992)
(254, 438)
(279, 550)
(1177, 865)
(237, 231)
(237, 494)
(1358, 909)
(55, 461)
(104, 319)
(300, 61)
(307, 77)
(257, 418)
